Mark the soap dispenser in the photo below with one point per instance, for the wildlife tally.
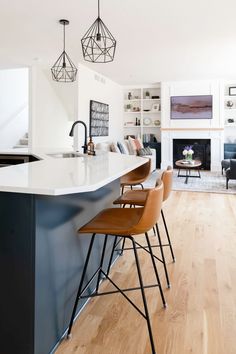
(91, 150)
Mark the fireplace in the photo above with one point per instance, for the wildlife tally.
(201, 148)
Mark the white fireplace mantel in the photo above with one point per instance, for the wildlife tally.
(217, 144)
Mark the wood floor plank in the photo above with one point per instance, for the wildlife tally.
(201, 313)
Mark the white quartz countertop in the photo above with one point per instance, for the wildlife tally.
(60, 176)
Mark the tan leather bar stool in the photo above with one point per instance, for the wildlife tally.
(136, 177)
(138, 198)
(126, 223)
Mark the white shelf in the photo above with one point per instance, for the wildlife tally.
(132, 126)
(132, 112)
(133, 100)
(151, 99)
(228, 97)
(230, 109)
(151, 126)
(152, 112)
(233, 125)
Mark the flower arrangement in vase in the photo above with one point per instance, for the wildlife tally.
(188, 153)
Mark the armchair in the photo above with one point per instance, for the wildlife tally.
(231, 172)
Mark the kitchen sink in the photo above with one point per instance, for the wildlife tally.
(66, 155)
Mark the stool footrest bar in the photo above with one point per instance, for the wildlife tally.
(117, 291)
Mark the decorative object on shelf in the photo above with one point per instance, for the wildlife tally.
(90, 148)
(146, 110)
(136, 97)
(129, 124)
(129, 96)
(230, 120)
(155, 97)
(99, 119)
(128, 107)
(155, 107)
(157, 122)
(229, 104)
(136, 109)
(232, 91)
(98, 44)
(147, 95)
(147, 121)
(64, 69)
(188, 153)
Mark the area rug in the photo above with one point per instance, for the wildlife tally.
(212, 182)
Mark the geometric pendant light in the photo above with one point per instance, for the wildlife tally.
(98, 44)
(64, 70)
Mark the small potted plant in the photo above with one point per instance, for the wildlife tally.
(128, 107)
(147, 94)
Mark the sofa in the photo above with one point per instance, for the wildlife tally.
(230, 172)
(229, 153)
(126, 149)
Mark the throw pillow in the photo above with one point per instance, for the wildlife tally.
(134, 145)
(123, 148)
(114, 148)
(141, 143)
(144, 151)
(230, 155)
(149, 152)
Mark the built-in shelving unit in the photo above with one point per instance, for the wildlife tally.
(229, 107)
(142, 111)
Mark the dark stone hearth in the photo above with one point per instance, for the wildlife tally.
(201, 148)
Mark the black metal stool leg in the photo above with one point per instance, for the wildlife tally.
(154, 230)
(101, 263)
(155, 270)
(122, 247)
(163, 256)
(144, 298)
(112, 253)
(168, 237)
(80, 285)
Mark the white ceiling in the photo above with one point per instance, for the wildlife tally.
(156, 40)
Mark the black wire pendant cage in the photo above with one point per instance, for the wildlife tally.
(64, 69)
(98, 44)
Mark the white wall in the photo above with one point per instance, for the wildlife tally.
(56, 105)
(53, 110)
(13, 106)
(93, 86)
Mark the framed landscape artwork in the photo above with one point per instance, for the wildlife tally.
(191, 107)
(99, 119)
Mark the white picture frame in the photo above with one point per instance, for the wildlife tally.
(155, 107)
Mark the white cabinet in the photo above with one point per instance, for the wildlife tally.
(142, 111)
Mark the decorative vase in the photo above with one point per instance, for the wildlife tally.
(189, 157)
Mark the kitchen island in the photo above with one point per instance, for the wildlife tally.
(42, 204)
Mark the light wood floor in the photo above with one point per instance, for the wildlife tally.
(201, 313)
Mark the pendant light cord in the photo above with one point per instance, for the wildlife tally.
(64, 37)
(64, 45)
(98, 8)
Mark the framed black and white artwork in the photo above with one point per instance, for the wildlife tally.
(99, 119)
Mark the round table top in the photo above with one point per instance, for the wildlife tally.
(191, 164)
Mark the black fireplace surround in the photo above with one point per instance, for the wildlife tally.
(201, 148)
